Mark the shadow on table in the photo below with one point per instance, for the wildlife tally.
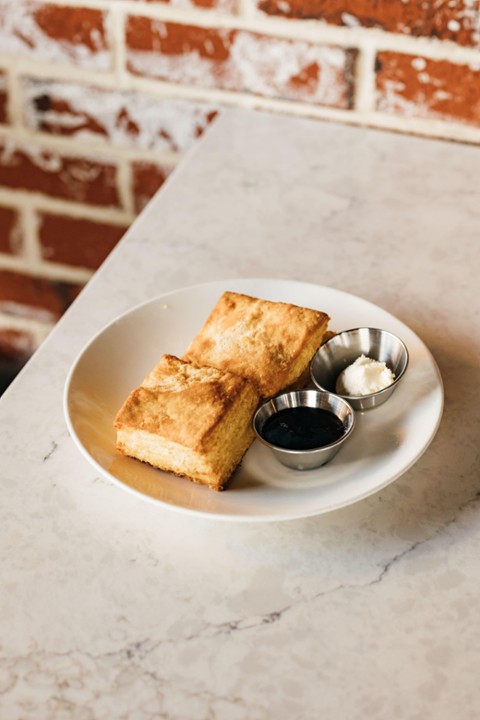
(9, 369)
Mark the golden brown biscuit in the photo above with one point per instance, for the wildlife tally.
(270, 343)
(328, 335)
(188, 420)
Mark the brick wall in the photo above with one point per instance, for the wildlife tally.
(100, 99)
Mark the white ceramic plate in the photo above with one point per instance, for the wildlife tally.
(386, 441)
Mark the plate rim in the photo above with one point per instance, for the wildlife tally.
(222, 516)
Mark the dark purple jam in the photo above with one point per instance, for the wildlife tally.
(302, 428)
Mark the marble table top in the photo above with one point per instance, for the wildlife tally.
(113, 607)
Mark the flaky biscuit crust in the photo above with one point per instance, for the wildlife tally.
(270, 343)
(181, 402)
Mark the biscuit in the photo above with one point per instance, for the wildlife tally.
(188, 420)
(270, 343)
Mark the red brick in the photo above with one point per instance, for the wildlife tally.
(15, 345)
(75, 241)
(222, 5)
(419, 87)
(240, 61)
(123, 118)
(457, 21)
(72, 25)
(57, 116)
(37, 298)
(51, 173)
(147, 179)
(229, 6)
(55, 33)
(10, 233)
(3, 98)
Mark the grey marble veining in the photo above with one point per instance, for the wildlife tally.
(114, 608)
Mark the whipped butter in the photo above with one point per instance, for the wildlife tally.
(363, 377)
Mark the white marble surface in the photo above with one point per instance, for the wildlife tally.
(114, 608)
